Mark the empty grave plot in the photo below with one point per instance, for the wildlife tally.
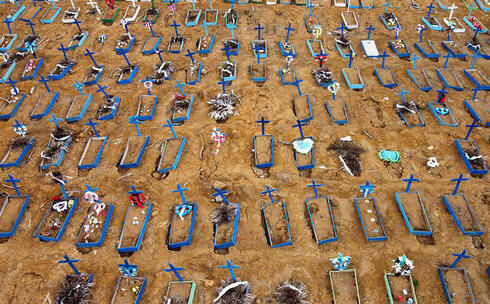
(133, 226)
(78, 106)
(457, 285)
(337, 109)
(10, 209)
(462, 210)
(134, 147)
(353, 75)
(316, 46)
(43, 102)
(276, 223)
(180, 227)
(179, 290)
(450, 76)
(258, 70)
(481, 110)
(344, 285)
(420, 77)
(151, 43)
(414, 210)
(322, 219)
(91, 151)
(15, 149)
(386, 75)
(170, 152)
(478, 76)
(263, 144)
(210, 16)
(302, 107)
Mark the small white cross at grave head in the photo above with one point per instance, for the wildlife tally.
(452, 8)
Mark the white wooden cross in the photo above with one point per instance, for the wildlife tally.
(134, 1)
(94, 5)
(72, 5)
(47, 300)
(452, 8)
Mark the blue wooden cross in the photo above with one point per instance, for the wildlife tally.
(477, 30)
(8, 21)
(350, 58)
(447, 56)
(227, 51)
(34, 1)
(149, 26)
(366, 189)
(473, 125)
(12, 83)
(384, 58)
(32, 27)
(459, 256)
(90, 189)
(262, 121)
(310, 6)
(223, 84)
(231, 268)
(190, 54)
(193, 5)
(63, 49)
(126, 58)
(387, 5)
(211, 4)
(180, 86)
(148, 80)
(296, 84)
(180, 190)
(475, 57)
(205, 26)
(257, 49)
(402, 94)
(414, 59)
(92, 125)
(471, 7)
(171, 126)
(54, 5)
(232, 33)
(175, 25)
(430, 7)
(175, 270)
(134, 191)
(441, 92)
(342, 28)
(71, 263)
(458, 182)
(55, 120)
(369, 29)
(136, 122)
(476, 89)
(221, 193)
(158, 52)
(410, 180)
(300, 124)
(89, 53)
(45, 81)
(259, 28)
(14, 183)
(63, 190)
(75, 21)
(128, 269)
(289, 29)
(78, 86)
(18, 127)
(421, 30)
(125, 24)
(269, 191)
(15, 1)
(315, 187)
(232, 3)
(102, 89)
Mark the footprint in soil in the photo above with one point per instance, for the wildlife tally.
(395, 170)
(425, 240)
(373, 112)
(478, 242)
(29, 285)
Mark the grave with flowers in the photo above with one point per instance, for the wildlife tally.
(263, 147)
(176, 43)
(320, 216)
(353, 76)
(33, 65)
(108, 108)
(276, 222)
(192, 17)
(30, 12)
(135, 147)
(182, 221)
(93, 149)
(461, 211)
(449, 77)
(94, 226)
(179, 291)
(129, 287)
(7, 40)
(304, 149)
(369, 215)
(225, 219)
(315, 45)
(478, 108)
(473, 22)
(132, 11)
(211, 15)
(57, 216)
(135, 222)
(128, 72)
(471, 154)
(388, 18)
(172, 151)
(454, 22)
(18, 147)
(385, 75)
(147, 103)
(110, 13)
(456, 282)
(15, 11)
(152, 13)
(311, 21)
(13, 209)
(205, 43)
(323, 74)
(79, 104)
(343, 281)
(193, 70)
(182, 104)
(288, 75)
(398, 45)
(12, 102)
(75, 287)
(78, 38)
(399, 285)
(71, 13)
(151, 43)
(94, 72)
(45, 101)
(231, 16)
(62, 67)
(60, 139)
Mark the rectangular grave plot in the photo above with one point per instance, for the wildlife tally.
(344, 286)
(70, 14)
(131, 12)
(288, 76)
(427, 48)
(302, 108)
(146, 107)
(55, 151)
(6, 41)
(193, 73)
(151, 44)
(258, 72)
(17, 150)
(336, 109)
(192, 17)
(470, 153)
(432, 23)
(182, 114)
(456, 285)
(412, 119)
(92, 233)
(454, 48)
(30, 12)
(462, 214)
(32, 67)
(263, 151)
(124, 290)
(110, 14)
(9, 108)
(445, 120)
(316, 47)
(311, 21)
(184, 290)
(78, 107)
(205, 44)
(413, 211)
(152, 14)
(350, 19)
(11, 213)
(370, 48)
(171, 152)
(305, 161)
(353, 78)
(55, 222)
(277, 224)
(93, 74)
(135, 148)
(397, 286)
(134, 228)
(321, 218)
(479, 110)
(225, 234)
(370, 218)
(420, 78)
(386, 77)
(50, 14)
(211, 16)
(181, 229)
(450, 79)
(477, 77)
(6, 70)
(92, 152)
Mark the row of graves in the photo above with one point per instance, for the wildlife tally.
(225, 218)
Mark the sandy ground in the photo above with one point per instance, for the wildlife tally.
(28, 269)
